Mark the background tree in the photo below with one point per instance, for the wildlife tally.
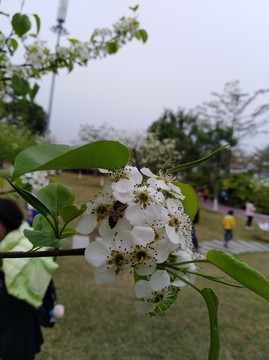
(183, 128)
(24, 113)
(235, 110)
(157, 154)
(194, 139)
(260, 159)
(13, 139)
(20, 78)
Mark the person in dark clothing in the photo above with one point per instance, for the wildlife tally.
(193, 232)
(23, 283)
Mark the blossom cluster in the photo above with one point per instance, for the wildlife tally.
(37, 180)
(39, 59)
(142, 226)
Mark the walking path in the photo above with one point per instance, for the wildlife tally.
(235, 247)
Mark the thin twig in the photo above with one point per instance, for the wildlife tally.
(43, 253)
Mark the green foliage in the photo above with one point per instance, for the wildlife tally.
(21, 81)
(196, 162)
(100, 154)
(21, 24)
(191, 201)
(240, 271)
(25, 113)
(20, 86)
(245, 186)
(13, 140)
(55, 205)
(142, 35)
(194, 140)
(112, 47)
(212, 306)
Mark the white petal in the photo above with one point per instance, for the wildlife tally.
(171, 233)
(123, 185)
(104, 276)
(143, 235)
(124, 198)
(159, 280)
(124, 241)
(162, 250)
(147, 172)
(158, 184)
(134, 173)
(143, 289)
(135, 214)
(147, 268)
(96, 253)
(86, 224)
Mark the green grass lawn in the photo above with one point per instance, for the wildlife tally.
(101, 323)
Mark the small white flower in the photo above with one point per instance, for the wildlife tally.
(164, 182)
(182, 256)
(110, 257)
(152, 292)
(147, 253)
(96, 211)
(179, 227)
(37, 180)
(124, 180)
(144, 205)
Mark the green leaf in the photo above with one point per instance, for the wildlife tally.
(191, 202)
(56, 196)
(12, 46)
(212, 306)
(37, 21)
(19, 85)
(112, 47)
(196, 162)
(142, 35)
(134, 8)
(32, 92)
(70, 213)
(38, 239)
(67, 232)
(21, 24)
(240, 271)
(31, 199)
(41, 224)
(100, 154)
(73, 41)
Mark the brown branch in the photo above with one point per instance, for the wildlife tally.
(43, 253)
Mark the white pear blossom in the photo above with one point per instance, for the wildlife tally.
(185, 270)
(96, 211)
(110, 256)
(144, 205)
(179, 227)
(163, 182)
(153, 292)
(147, 253)
(37, 180)
(125, 179)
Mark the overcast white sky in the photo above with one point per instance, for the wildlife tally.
(194, 48)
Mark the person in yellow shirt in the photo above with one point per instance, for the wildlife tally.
(228, 224)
